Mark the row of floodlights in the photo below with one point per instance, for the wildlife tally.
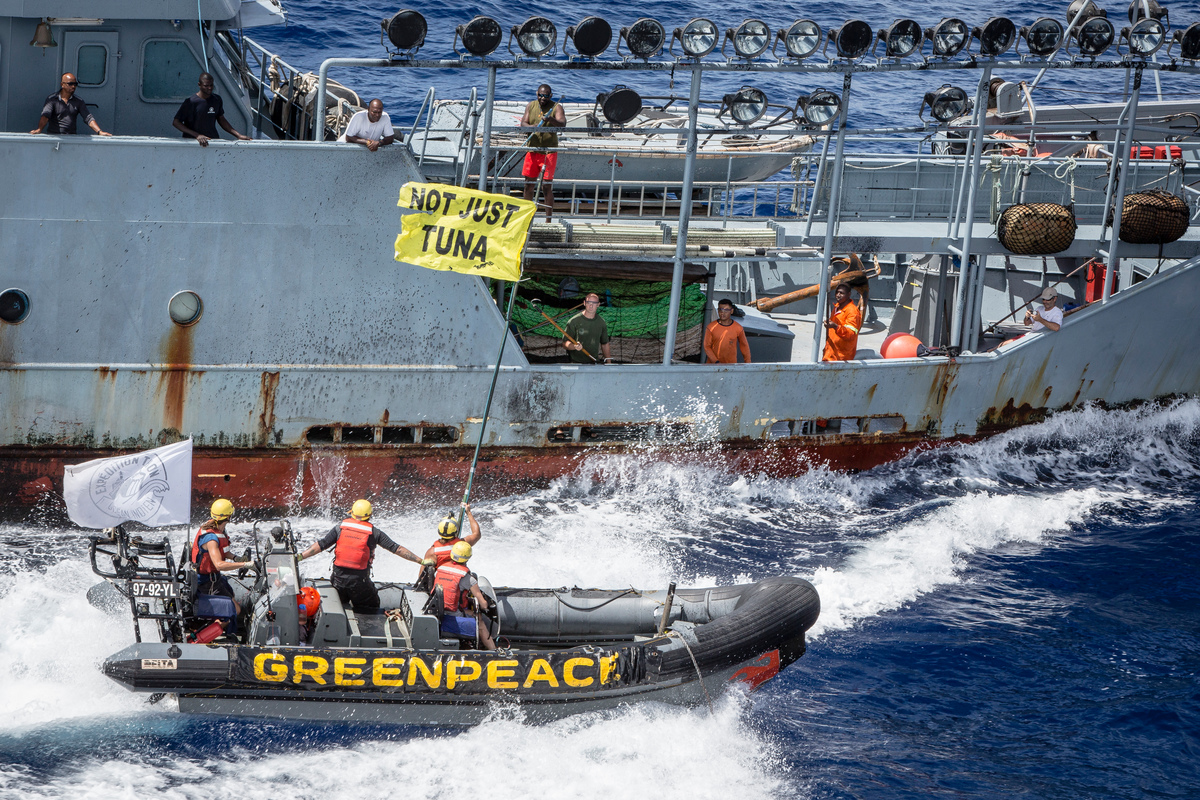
(1092, 33)
(816, 109)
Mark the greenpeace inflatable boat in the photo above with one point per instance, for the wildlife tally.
(297, 652)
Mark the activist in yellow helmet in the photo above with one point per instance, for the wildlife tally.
(221, 509)
(353, 542)
(210, 553)
(459, 586)
(461, 552)
(361, 510)
(448, 535)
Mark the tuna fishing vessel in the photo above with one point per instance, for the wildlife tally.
(172, 298)
(300, 653)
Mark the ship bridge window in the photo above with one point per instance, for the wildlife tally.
(169, 70)
(14, 306)
(92, 67)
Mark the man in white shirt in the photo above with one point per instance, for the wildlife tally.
(372, 127)
(1050, 317)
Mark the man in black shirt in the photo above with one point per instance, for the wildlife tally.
(61, 109)
(197, 118)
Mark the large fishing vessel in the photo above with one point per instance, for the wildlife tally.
(245, 293)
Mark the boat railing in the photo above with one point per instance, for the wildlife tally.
(716, 200)
(283, 96)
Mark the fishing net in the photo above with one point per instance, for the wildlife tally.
(1153, 217)
(1036, 229)
(636, 313)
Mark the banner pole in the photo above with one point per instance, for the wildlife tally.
(512, 298)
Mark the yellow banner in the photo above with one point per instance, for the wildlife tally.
(463, 230)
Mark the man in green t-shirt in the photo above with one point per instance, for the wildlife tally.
(590, 334)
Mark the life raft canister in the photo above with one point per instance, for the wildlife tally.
(447, 577)
(352, 548)
(201, 558)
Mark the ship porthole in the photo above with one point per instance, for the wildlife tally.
(185, 308)
(14, 306)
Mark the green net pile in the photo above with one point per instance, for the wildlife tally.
(636, 312)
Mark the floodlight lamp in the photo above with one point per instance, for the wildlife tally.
(536, 37)
(749, 39)
(619, 106)
(591, 36)
(1189, 43)
(1137, 11)
(902, 38)
(481, 36)
(1088, 9)
(644, 38)
(1044, 37)
(747, 105)
(698, 38)
(800, 40)
(948, 37)
(995, 36)
(819, 108)
(947, 103)
(406, 31)
(852, 40)
(1145, 37)
(1094, 36)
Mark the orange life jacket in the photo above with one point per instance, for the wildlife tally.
(448, 575)
(441, 550)
(352, 550)
(200, 557)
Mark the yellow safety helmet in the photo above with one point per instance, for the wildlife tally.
(221, 510)
(460, 552)
(448, 528)
(361, 510)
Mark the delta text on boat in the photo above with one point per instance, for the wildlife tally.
(175, 299)
(562, 651)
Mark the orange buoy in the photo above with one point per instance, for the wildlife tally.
(900, 345)
(310, 598)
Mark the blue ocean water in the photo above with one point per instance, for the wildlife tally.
(1015, 618)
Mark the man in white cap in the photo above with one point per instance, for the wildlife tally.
(1050, 317)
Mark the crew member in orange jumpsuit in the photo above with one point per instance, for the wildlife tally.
(841, 329)
(725, 336)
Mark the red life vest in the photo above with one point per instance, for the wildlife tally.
(448, 575)
(200, 556)
(441, 550)
(352, 550)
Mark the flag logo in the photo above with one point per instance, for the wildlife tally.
(153, 487)
(132, 487)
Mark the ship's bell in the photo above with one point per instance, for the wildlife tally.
(42, 36)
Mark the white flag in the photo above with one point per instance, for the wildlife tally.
(153, 487)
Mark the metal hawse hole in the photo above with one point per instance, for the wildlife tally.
(14, 306)
(185, 308)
